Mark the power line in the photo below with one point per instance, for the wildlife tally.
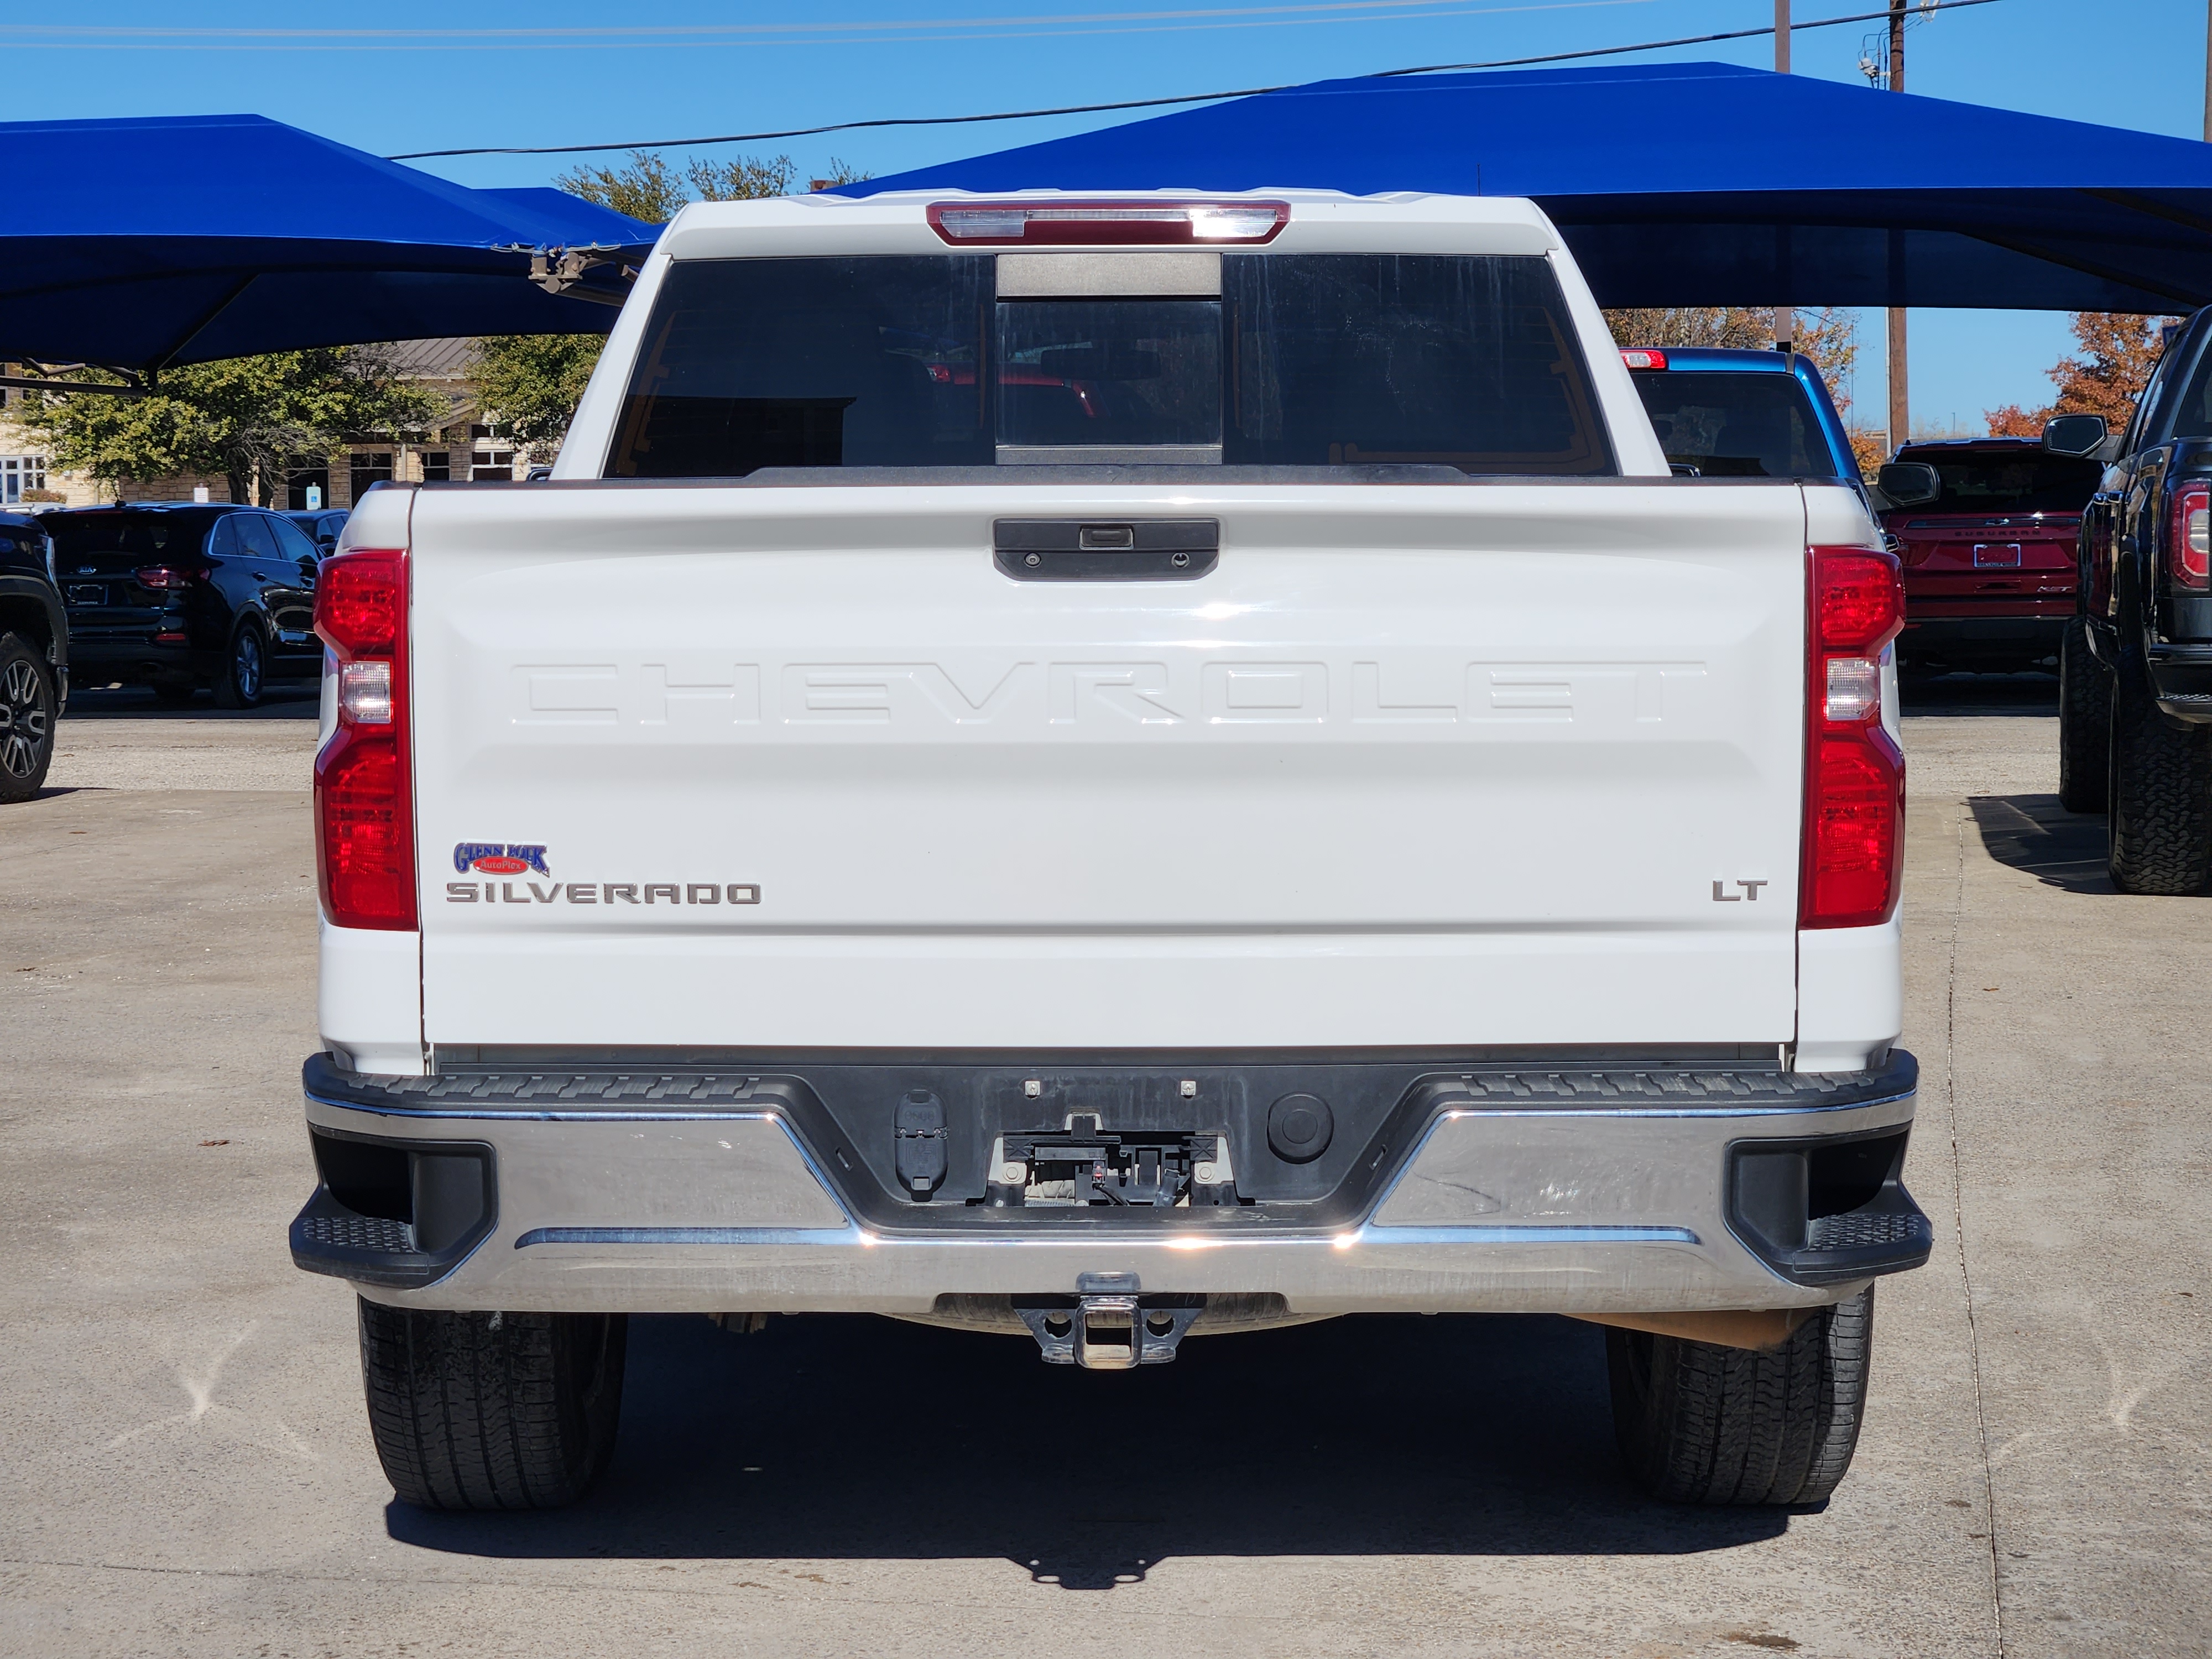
(1143, 103)
(89, 37)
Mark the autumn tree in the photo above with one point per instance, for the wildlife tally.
(1829, 337)
(534, 382)
(248, 419)
(2114, 354)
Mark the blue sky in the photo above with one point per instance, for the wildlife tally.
(559, 71)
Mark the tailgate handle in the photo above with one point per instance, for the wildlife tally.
(1106, 550)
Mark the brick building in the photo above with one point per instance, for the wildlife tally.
(463, 446)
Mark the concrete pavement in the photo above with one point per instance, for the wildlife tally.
(185, 1468)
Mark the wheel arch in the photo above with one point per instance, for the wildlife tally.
(31, 615)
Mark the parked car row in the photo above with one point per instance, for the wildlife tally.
(1986, 533)
(177, 596)
(2087, 551)
(183, 597)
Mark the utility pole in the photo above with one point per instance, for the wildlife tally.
(1785, 319)
(1900, 401)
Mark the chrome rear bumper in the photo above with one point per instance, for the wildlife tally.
(1526, 1191)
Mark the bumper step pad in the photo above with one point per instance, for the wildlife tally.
(327, 1237)
(1870, 1231)
(355, 1232)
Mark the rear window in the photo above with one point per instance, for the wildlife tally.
(1738, 425)
(1327, 360)
(2022, 480)
(125, 532)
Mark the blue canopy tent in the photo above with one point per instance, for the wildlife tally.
(1704, 184)
(193, 237)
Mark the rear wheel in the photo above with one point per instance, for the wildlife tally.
(246, 671)
(2085, 723)
(1701, 1424)
(477, 1411)
(2159, 796)
(27, 718)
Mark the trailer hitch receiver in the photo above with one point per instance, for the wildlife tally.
(1108, 1325)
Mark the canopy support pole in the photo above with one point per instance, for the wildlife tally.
(1900, 402)
(1785, 319)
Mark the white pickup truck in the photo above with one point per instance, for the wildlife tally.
(1110, 772)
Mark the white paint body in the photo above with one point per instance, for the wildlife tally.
(1416, 766)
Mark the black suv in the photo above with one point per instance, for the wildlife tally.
(2135, 666)
(33, 656)
(179, 597)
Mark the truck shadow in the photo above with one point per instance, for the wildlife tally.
(2035, 833)
(859, 1438)
(2028, 693)
(285, 700)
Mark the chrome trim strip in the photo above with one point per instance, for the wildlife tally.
(738, 1114)
(691, 1236)
(1372, 1234)
(1477, 1236)
(1777, 1109)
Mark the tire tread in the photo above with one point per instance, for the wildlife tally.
(472, 1411)
(2159, 797)
(1697, 1423)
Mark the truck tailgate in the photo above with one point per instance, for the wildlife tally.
(768, 767)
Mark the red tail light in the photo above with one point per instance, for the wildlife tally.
(1854, 773)
(1644, 357)
(163, 578)
(364, 794)
(2189, 539)
(1094, 224)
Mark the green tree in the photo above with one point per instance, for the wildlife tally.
(644, 187)
(647, 187)
(742, 178)
(246, 418)
(532, 382)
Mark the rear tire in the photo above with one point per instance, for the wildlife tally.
(2159, 799)
(2085, 723)
(27, 718)
(246, 671)
(487, 1411)
(1701, 1424)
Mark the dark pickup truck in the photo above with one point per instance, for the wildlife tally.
(2136, 664)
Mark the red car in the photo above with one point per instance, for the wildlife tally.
(1988, 565)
